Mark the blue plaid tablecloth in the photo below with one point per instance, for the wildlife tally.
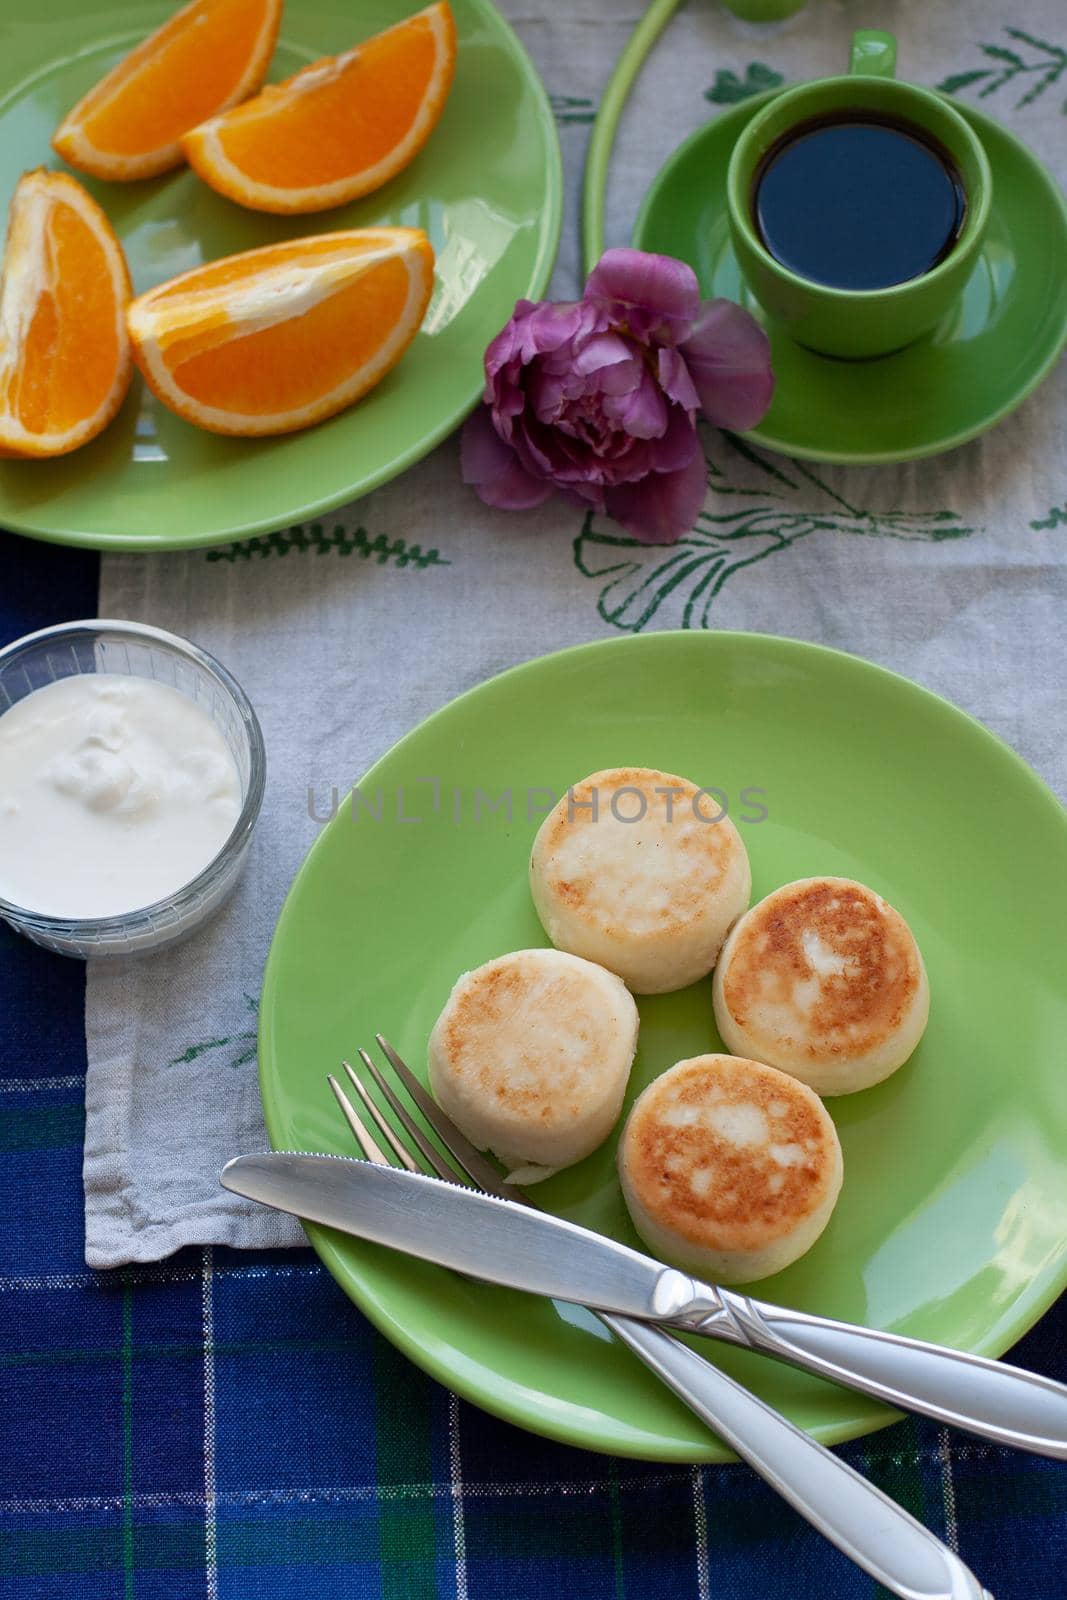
(228, 1426)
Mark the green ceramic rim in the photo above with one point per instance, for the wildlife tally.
(1029, 1299)
(975, 217)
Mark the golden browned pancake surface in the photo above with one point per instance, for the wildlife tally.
(730, 1155)
(639, 870)
(496, 1041)
(699, 851)
(824, 979)
(844, 958)
(531, 1056)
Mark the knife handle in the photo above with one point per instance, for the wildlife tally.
(990, 1398)
(876, 1533)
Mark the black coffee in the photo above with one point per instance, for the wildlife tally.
(858, 203)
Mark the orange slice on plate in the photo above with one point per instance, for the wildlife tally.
(274, 339)
(210, 55)
(338, 129)
(64, 354)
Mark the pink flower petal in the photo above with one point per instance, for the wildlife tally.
(675, 379)
(545, 393)
(679, 443)
(729, 360)
(532, 446)
(534, 329)
(642, 413)
(601, 350)
(627, 461)
(622, 378)
(502, 349)
(663, 506)
(584, 495)
(507, 399)
(493, 470)
(658, 284)
(550, 325)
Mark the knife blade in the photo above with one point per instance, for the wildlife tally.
(502, 1241)
(498, 1241)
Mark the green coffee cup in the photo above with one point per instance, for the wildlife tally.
(858, 323)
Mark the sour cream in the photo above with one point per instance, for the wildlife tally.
(115, 792)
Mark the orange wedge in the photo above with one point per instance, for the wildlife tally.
(338, 129)
(280, 337)
(64, 355)
(209, 55)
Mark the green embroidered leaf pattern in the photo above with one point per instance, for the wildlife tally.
(962, 80)
(241, 1052)
(997, 52)
(728, 88)
(1039, 69)
(339, 540)
(1057, 518)
(640, 582)
(567, 108)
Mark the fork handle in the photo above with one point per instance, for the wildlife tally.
(1000, 1402)
(876, 1533)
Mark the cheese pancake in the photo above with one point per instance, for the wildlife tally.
(823, 979)
(531, 1056)
(729, 1168)
(640, 871)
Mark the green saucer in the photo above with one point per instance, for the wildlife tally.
(990, 351)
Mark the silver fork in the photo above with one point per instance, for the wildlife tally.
(869, 1527)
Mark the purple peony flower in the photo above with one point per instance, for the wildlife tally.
(598, 398)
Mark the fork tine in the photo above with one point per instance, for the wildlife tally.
(484, 1174)
(443, 1168)
(381, 1122)
(367, 1144)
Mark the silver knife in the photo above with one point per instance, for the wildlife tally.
(502, 1242)
(872, 1530)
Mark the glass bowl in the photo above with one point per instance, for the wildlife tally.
(138, 651)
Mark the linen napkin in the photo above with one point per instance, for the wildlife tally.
(349, 630)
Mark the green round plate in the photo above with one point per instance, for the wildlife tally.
(989, 352)
(487, 188)
(953, 1218)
